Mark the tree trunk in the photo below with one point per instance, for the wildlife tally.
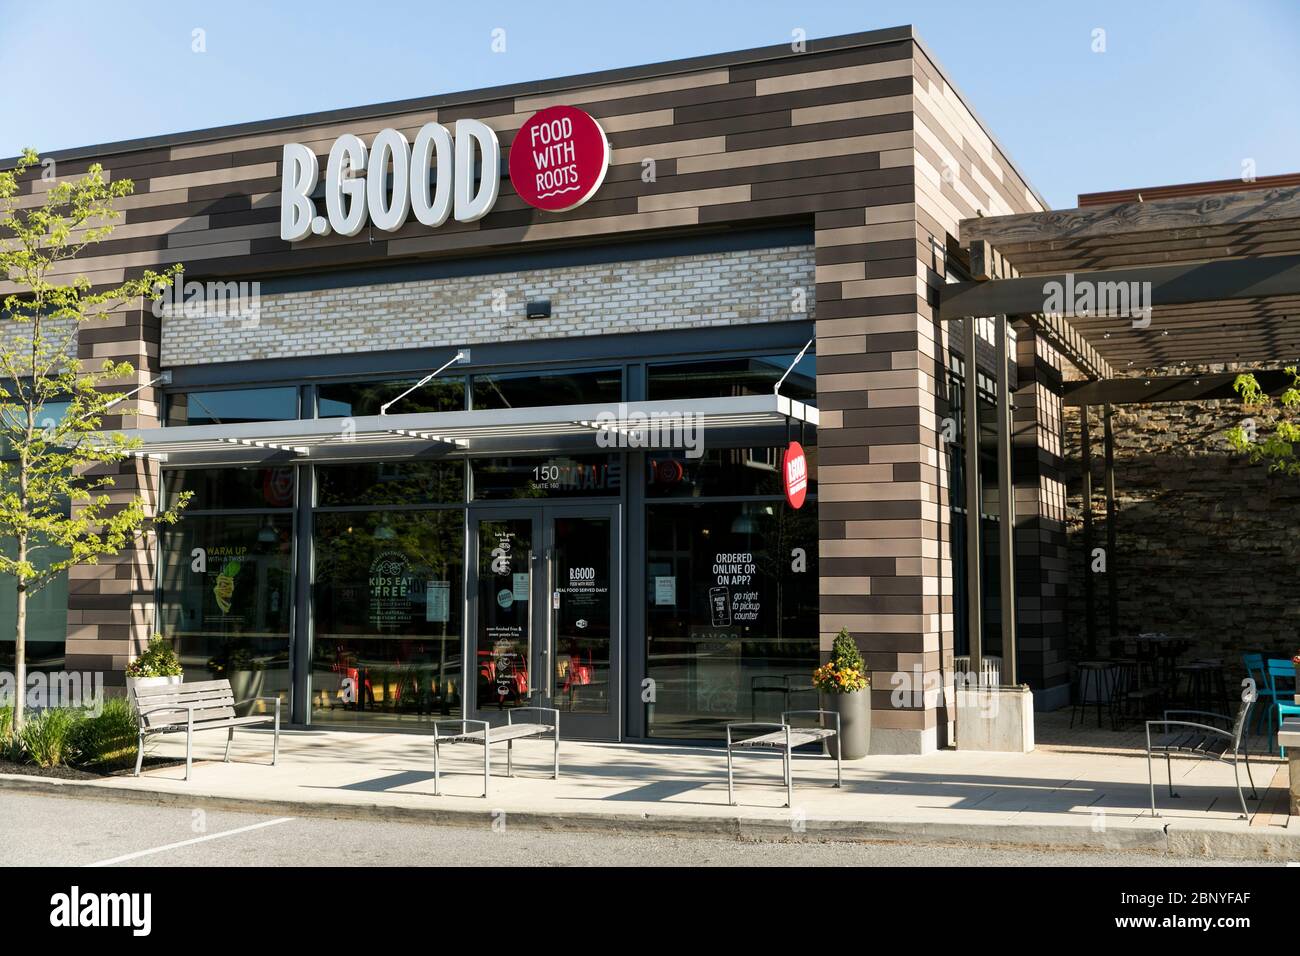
(20, 644)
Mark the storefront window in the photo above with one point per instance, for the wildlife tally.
(756, 375)
(354, 399)
(47, 616)
(721, 472)
(391, 483)
(226, 599)
(530, 389)
(554, 476)
(232, 406)
(731, 613)
(388, 606)
(220, 489)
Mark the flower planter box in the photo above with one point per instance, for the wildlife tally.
(134, 682)
(855, 724)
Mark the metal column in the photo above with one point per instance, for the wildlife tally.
(971, 470)
(300, 643)
(1089, 600)
(1112, 589)
(1006, 509)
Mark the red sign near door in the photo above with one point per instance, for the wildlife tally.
(558, 158)
(794, 475)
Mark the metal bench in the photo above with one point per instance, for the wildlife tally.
(783, 738)
(205, 705)
(489, 735)
(1200, 739)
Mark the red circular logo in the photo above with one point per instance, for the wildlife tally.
(558, 158)
(794, 475)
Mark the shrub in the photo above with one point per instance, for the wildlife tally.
(158, 660)
(844, 651)
(49, 738)
(109, 739)
(10, 748)
(845, 672)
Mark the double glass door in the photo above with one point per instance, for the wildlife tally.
(545, 612)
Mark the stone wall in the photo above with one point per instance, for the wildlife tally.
(672, 292)
(1207, 542)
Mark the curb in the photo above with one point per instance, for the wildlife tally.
(1173, 839)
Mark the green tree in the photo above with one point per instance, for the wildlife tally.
(55, 510)
(1276, 446)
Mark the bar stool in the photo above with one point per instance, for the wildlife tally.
(1192, 684)
(1136, 697)
(1099, 677)
(1217, 683)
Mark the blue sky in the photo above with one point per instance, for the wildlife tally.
(1184, 91)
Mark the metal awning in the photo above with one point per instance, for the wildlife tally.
(596, 427)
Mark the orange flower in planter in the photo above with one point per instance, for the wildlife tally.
(845, 672)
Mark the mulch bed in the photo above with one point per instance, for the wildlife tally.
(31, 770)
(84, 773)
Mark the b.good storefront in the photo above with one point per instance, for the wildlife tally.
(654, 593)
(502, 413)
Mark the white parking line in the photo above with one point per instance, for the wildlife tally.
(202, 839)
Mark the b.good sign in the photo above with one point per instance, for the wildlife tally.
(794, 475)
(558, 159)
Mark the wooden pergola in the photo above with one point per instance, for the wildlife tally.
(1218, 267)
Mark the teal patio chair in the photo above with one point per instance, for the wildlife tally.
(1281, 672)
(1258, 672)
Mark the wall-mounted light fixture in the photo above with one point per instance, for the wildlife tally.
(538, 309)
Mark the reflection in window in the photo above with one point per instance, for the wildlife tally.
(388, 596)
(555, 476)
(729, 472)
(354, 399)
(391, 483)
(216, 489)
(756, 375)
(731, 614)
(232, 406)
(226, 595)
(531, 389)
(48, 417)
(47, 615)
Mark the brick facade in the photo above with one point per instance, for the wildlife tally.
(675, 292)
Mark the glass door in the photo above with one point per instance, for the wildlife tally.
(583, 633)
(503, 609)
(545, 614)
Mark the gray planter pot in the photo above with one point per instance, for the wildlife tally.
(246, 684)
(855, 724)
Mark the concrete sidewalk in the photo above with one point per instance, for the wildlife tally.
(1059, 795)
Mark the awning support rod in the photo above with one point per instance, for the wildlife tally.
(163, 378)
(776, 389)
(383, 409)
